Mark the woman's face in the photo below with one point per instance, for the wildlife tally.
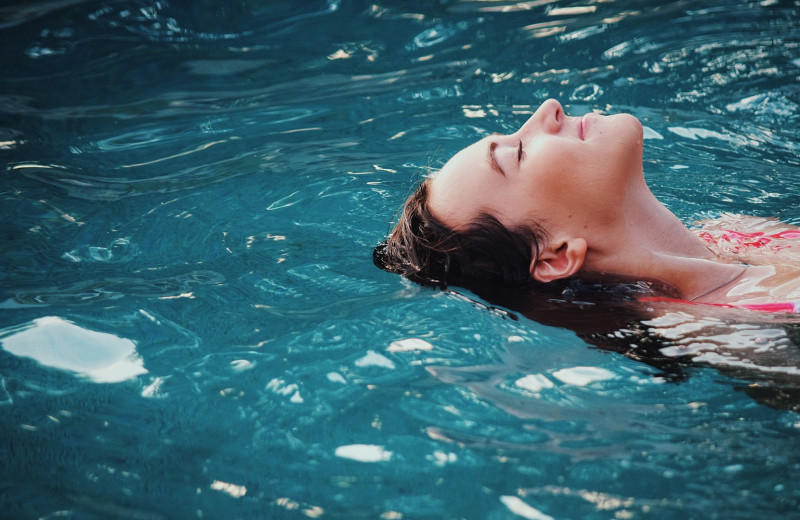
(567, 173)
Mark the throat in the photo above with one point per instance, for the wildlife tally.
(648, 242)
(645, 236)
(661, 232)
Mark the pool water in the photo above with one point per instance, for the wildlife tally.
(191, 324)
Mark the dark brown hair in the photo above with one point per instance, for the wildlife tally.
(425, 250)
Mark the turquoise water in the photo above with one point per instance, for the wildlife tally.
(191, 324)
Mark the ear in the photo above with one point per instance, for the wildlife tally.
(559, 260)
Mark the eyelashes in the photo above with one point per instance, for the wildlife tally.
(519, 151)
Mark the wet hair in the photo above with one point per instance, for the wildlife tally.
(425, 250)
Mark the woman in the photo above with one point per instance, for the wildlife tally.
(565, 197)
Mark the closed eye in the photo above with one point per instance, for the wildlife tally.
(519, 151)
(493, 160)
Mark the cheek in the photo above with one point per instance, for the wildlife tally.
(513, 206)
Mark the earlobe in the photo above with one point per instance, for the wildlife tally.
(559, 260)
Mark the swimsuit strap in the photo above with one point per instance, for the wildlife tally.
(790, 307)
(773, 307)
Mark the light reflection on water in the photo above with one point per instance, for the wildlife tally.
(193, 190)
(57, 343)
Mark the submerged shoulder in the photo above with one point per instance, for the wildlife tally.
(750, 239)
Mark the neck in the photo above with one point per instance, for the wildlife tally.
(648, 242)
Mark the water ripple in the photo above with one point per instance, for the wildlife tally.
(152, 19)
(437, 34)
(274, 100)
(86, 185)
(10, 138)
(90, 291)
(13, 15)
(207, 179)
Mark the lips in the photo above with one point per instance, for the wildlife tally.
(583, 127)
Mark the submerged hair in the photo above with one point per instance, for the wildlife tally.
(425, 250)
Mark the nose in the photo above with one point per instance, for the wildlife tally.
(548, 118)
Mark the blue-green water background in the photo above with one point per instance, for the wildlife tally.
(203, 182)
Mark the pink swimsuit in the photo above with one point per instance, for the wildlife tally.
(791, 307)
(737, 242)
(758, 239)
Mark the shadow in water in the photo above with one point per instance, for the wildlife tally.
(758, 349)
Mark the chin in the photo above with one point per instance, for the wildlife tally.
(627, 143)
(628, 123)
(629, 130)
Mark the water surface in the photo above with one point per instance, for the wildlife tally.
(191, 324)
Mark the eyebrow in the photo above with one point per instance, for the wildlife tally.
(492, 161)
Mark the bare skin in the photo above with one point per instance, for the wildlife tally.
(582, 179)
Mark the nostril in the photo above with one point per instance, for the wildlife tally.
(558, 117)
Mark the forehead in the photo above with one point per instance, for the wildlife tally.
(455, 190)
(466, 160)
